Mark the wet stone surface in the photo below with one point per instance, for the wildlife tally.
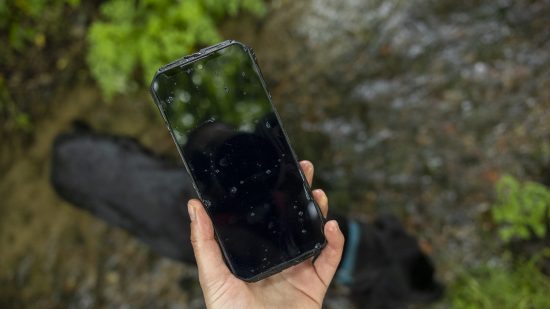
(416, 108)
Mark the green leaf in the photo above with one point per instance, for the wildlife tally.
(145, 34)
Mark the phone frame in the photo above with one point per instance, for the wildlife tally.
(186, 60)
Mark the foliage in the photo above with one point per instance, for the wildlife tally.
(24, 26)
(520, 213)
(146, 34)
(521, 209)
(501, 287)
(21, 20)
(16, 119)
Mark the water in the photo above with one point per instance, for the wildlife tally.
(223, 162)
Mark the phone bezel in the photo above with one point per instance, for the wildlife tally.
(203, 53)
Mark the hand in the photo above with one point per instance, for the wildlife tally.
(300, 286)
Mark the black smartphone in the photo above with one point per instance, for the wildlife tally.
(217, 108)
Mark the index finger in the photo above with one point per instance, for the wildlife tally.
(307, 168)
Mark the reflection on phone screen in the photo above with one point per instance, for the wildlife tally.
(240, 160)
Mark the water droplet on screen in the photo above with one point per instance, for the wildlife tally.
(283, 154)
(268, 172)
(317, 246)
(233, 190)
(170, 100)
(223, 162)
(258, 164)
(252, 214)
(199, 67)
(184, 96)
(270, 225)
(226, 89)
(241, 182)
(205, 170)
(295, 206)
(300, 213)
(304, 231)
(267, 124)
(264, 259)
(243, 74)
(265, 250)
(207, 203)
(244, 92)
(252, 270)
(217, 171)
(188, 71)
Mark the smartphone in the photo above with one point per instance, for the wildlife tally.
(219, 112)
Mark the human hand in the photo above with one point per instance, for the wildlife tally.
(300, 286)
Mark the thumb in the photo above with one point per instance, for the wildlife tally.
(327, 262)
(212, 269)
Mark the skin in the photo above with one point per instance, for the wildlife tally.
(301, 286)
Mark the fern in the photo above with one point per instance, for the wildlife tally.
(143, 35)
(517, 286)
(521, 209)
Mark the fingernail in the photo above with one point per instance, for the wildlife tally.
(317, 191)
(192, 210)
(334, 226)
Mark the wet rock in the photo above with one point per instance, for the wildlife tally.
(425, 103)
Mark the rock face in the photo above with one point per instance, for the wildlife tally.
(416, 107)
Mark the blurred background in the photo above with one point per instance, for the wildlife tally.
(437, 111)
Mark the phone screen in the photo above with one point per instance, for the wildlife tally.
(236, 151)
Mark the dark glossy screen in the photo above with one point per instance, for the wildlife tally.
(235, 148)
